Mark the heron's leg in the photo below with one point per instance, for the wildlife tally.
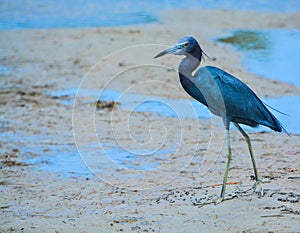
(257, 186)
(228, 158)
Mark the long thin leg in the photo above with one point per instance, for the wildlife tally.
(257, 185)
(228, 158)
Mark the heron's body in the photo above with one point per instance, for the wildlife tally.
(248, 108)
(224, 95)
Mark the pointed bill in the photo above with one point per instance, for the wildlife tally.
(171, 50)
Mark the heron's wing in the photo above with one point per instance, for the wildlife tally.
(241, 104)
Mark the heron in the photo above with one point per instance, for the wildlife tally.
(225, 96)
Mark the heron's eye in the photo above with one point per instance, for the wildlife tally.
(185, 44)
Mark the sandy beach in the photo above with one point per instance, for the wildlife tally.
(37, 123)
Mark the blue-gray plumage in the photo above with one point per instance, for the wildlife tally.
(224, 95)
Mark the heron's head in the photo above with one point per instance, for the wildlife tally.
(184, 46)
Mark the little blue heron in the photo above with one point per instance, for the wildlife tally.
(225, 96)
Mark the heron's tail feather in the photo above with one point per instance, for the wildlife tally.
(276, 110)
(277, 125)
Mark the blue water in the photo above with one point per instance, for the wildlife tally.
(138, 161)
(271, 53)
(59, 159)
(70, 163)
(184, 108)
(21, 14)
(65, 159)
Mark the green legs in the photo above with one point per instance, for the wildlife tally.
(257, 186)
(250, 149)
(228, 158)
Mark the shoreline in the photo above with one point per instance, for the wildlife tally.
(110, 40)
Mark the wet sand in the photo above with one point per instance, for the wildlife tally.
(35, 123)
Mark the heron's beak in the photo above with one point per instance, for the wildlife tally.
(171, 50)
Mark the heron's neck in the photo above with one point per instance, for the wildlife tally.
(190, 62)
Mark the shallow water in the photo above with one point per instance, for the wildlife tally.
(60, 160)
(70, 162)
(24, 14)
(270, 53)
(4, 71)
(65, 159)
(178, 108)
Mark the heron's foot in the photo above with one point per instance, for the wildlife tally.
(211, 200)
(218, 200)
(215, 200)
(257, 187)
